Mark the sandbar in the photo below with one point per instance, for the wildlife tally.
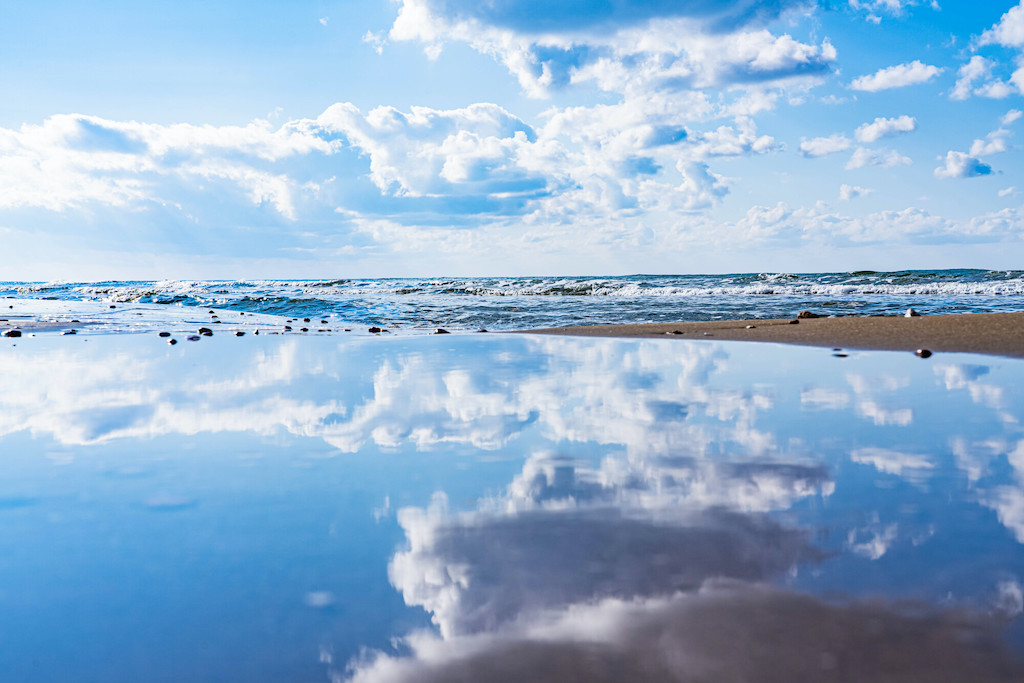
(1000, 334)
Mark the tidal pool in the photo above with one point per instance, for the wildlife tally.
(506, 507)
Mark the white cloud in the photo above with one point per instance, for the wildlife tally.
(1008, 192)
(882, 127)
(994, 143)
(960, 165)
(910, 465)
(626, 47)
(1011, 116)
(976, 69)
(818, 147)
(1008, 31)
(848, 192)
(863, 156)
(898, 76)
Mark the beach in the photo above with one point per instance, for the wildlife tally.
(1000, 334)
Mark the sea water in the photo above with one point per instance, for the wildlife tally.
(533, 302)
(506, 507)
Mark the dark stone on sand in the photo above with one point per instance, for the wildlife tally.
(323, 322)
(807, 314)
(239, 334)
(205, 331)
(305, 320)
(287, 328)
(794, 322)
(374, 330)
(193, 337)
(751, 327)
(172, 342)
(441, 330)
(303, 329)
(840, 355)
(70, 332)
(675, 332)
(113, 306)
(480, 329)
(76, 321)
(218, 322)
(211, 311)
(12, 333)
(923, 353)
(256, 332)
(348, 329)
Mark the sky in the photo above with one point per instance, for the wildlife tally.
(375, 138)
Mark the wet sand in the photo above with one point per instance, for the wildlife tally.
(1000, 334)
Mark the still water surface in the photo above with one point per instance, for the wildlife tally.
(489, 507)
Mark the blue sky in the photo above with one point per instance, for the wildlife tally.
(430, 137)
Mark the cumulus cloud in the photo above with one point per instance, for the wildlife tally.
(848, 192)
(960, 165)
(1008, 31)
(864, 156)
(898, 76)
(883, 127)
(632, 45)
(817, 147)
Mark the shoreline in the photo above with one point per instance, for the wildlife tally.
(996, 334)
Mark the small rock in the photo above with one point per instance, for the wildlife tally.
(12, 333)
(441, 330)
(923, 353)
(205, 331)
(305, 320)
(323, 322)
(794, 322)
(911, 313)
(193, 337)
(675, 332)
(239, 334)
(374, 330)
(751, 327)
(348, 329)
(256, 332)
(840, 355)
(807, 314)
(211, 311)
(76, 321)
(70, 332)
(113, 306)
(287, 328)
(172, 342)
(480, 329)
(303, 329)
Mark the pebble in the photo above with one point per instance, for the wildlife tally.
(794, 322)
(480, 329)
(113, 306)
(911, 313)
(12, 333)
(840, 355)
(193, 337)
(287, 328)
(923, 353)
(256, 332)
(441, 330)
(205, 331)
(675, 332)
(172, 342)
(303, 329)
(305, 320)
(70, 332)
(323, 322)
(751, 327)
(239, 334)
(807, 314)
(374, 330)
(76, 321)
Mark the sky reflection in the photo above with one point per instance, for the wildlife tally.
(480, 506)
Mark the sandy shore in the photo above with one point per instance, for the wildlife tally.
(999, 334)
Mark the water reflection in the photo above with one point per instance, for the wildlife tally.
(566, 508)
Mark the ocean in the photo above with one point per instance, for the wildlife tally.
(506, 303)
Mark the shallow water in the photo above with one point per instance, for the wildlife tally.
(505, 508)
